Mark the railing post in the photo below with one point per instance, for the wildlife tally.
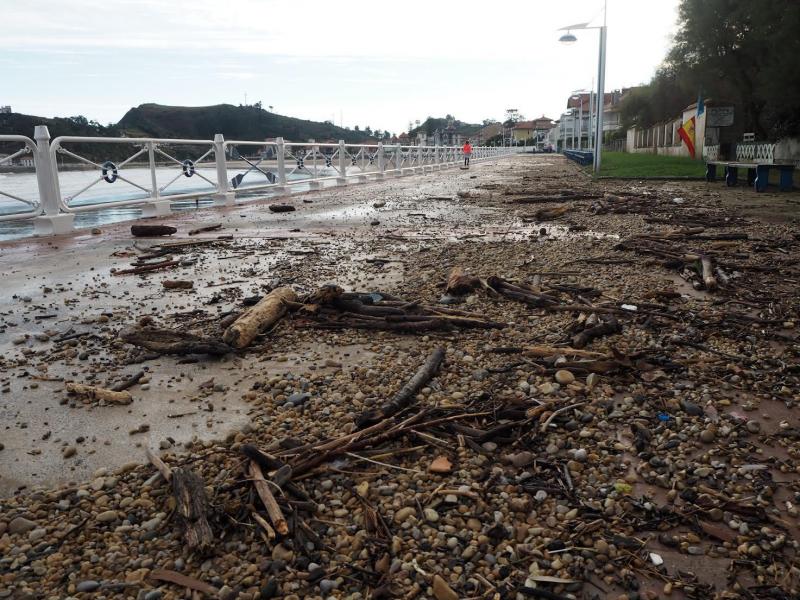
(224, 196)
(281, 152)
(420, 159)
(51, 222)
(151, 161)
(342, 179)
(156, 207)
(314, 184)
(381, 161)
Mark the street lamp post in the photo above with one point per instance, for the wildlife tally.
(569, 38)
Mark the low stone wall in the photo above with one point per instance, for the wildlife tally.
(788, 149)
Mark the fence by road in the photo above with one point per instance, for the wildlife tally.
(156, 172)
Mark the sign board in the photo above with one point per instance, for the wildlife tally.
(719, 116)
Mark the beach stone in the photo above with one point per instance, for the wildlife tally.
(269, 590)
(281, 552)
(753, 426)
(691, 409)
(403, 514)
(107, 516)
(431, 515)
(298, 398)
(564, 377)
(592, 379)
(708, 435)
(580, 455)
(441, 590)
(87, 586)
(20, 525)
(153, 595)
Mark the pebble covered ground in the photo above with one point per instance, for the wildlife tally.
(671, 473)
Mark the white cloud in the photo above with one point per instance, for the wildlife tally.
(382, 63)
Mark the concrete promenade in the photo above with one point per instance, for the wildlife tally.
(614, 377)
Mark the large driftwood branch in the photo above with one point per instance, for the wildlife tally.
(152, 230)
(608, 327)
(169, 341)
(273, 510)
(407, 393)
(98, 393)
(259, 317)
(459, 283)
(165, 264)
(190, 494)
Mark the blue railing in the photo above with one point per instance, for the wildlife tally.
(582, 157)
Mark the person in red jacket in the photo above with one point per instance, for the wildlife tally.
(467, 150)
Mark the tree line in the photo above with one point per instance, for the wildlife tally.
(745, 53)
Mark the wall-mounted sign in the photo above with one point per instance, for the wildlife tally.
(719, 116)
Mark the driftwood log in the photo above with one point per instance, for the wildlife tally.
(406, 394)
(460, 284)
(190, 495)
(259, 317)
(170, 341)
(164, 264)
(98, 393)
(709, 281)
(177, 284)
(263, 488)
(607, 327)
(214, 227)
(547, 214)
(128, 383)
(152, 230)
(280, 208)
(547, 351)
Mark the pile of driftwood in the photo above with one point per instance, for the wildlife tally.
(699, 268)
(270, 496)
(332, 308)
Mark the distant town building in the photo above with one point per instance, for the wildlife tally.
(534, 133)
(576, 127)
(5, 110)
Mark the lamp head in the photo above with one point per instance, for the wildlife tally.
(568, 38)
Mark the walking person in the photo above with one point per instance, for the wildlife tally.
(467, 150)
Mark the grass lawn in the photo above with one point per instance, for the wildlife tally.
(622, 164)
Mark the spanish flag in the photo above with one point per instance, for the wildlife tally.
(687, 134)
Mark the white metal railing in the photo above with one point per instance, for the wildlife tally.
(711, 152)
(755, 152)
(110, 172)
(32, 206)
(154, 172)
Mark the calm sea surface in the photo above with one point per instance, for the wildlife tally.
(73, 189)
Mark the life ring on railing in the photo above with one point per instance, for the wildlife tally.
(301, 164)
(109, 170)
(327, 161)
(188, 167)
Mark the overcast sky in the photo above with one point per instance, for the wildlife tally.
(375, 63)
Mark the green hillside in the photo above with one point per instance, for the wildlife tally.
(188, 122)
(234, 122)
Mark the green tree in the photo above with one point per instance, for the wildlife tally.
(746, 52)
